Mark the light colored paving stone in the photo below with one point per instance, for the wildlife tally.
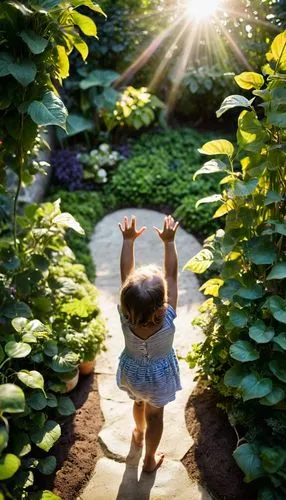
(117, 481)
(113, 479)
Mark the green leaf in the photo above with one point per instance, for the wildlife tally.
(24, 72)
(50, 111)
(209, 199)
(247, 458)
(77, 124)
(251, 293)
(277, 119)
(65, 406)
(2, 354)
(211, 167)
(20, 443)
(238, 317)
(85, 23)
(218, 147)
(273, 397)
(47, 465)
(88, 3)
(278, 271)
(252, 387)
(31, 378)
(278, 368)
(45, 4)
(63, 62)
(229, 289)
(211, 287)
(35, 42)
(19, 324)
(243, 351)
(18, 309)
(40, 262)
(260, 250)
(200, 262)
(250, 134)
(45, 495)
(64, 362)
(17, 349)
(245, 188)
(234, 376)
(51, 348)
(261, 333)
(249, 80)
(47, 436)
(5, 60)
(232, 101)
(67, 220)
(4, 436)
(272, 197)
(52, 401)
(272, 459)
(37, 400)
(278, 308)
(9, 464)
(97, 77)
(12, 399)
(281, 340)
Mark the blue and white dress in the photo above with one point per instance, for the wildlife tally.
(148, 369)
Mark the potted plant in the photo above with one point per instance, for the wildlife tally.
(86, 343)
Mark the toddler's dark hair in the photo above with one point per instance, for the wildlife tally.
(143, 296)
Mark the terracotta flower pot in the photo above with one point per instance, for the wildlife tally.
(86, 367)
(70, 383)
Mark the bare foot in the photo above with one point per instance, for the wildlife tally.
(138, 437)
(152, 464)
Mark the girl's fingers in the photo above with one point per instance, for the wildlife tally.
(120, 227)
(133, 222)
(176, 226)
(140, 231)
(157, 230)
(125, 223)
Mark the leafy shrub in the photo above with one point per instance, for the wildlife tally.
(135, 108)
(88, 209)
(160, 172)
(43, 295)
(243, 355)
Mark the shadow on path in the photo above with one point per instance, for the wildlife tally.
(131, 487)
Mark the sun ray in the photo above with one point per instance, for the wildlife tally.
(235, 49)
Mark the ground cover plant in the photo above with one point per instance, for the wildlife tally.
(42, 292)
(243, 356)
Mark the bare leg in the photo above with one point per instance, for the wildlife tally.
(154, 419)
(139, 417)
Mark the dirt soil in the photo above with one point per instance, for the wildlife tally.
(210, 460)
(78, 449)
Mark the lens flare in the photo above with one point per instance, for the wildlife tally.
(202, 9)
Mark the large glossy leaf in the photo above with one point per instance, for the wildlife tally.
(211, 167)
(278, 51)
(244, 188)
(229, 289)
(217, 147)
(243, 351)
(212, 286)
(45, 4)
(97, 77)
(9, 464)
(278, 272)
(233, 101)
(249, 80)
(234, 376)
(277, 119)
(281, 340)
(254, 387)
(19, 324)
(251, 292)
(65, 406)
(44, 495)
(12, 399)
(260, 250)
(261, 333)
(278, 308)
(18, 309)
(209, 199)
(37, 400)
(50, 111)
(64, 362)
(4, 436)
(47, 465)
(77, 124)
(20, 443)
(272, 197)
(88, 3)
(238, 317)
(35, 42)
(5, 60)
(272, 458)
(24, 72)
(85, 23)
(17, 349)
(247, 458)
(200, 262)
(278, 368)
(31, 378)
(274, 397)
(250, 134)
(67, 220)
(63, 62)
(47, 436)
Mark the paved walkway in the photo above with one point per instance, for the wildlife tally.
(118, 475)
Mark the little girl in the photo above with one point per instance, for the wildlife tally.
(148, 369)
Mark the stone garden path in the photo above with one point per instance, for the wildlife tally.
(118, 475)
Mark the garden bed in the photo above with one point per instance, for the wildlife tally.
(209, 461)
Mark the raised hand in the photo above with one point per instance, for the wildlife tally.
(128, 230)
(169, 230)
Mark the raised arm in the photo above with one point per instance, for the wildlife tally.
(167, 235)
(129, 233)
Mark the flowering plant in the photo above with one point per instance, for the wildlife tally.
(94, 162)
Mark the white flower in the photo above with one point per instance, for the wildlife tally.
(104, 148)
(101, 175)
(94, 152)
